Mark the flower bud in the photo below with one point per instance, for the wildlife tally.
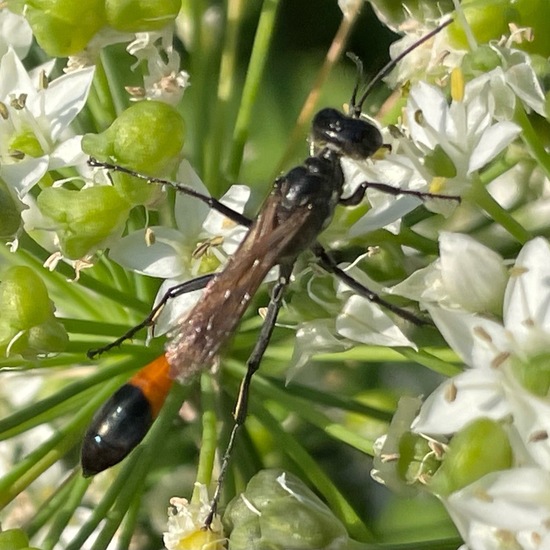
(147, 137)
(62, 27)
(14, 539)
(10, 213)
(28, 326)
(478, 449)
(83, 220)
(141, 15)
(278, 511)
(490, 19)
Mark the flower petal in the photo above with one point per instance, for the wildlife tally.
(493, 140)
(473, 275)
(473, 394)
(527, 299)
(365, 322)
(163, 258)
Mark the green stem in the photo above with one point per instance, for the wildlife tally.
(112, 85)
(28, 413)
(531, 139)
(204, 73)
(47, 454)
(303, 408)
(258, 59)
(432, 362)
(54, 503)
(209, 435)
(101, 510)
(479, 195)
(128, 530)
(66, 511)
(226, 84)
(100, 101)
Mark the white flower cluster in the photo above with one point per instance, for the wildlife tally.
(507, 379)
(493, 313)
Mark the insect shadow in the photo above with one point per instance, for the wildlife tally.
(300, 206)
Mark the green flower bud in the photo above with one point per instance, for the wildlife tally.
(28, 326)
(83, 220)
(24, 298)
(478, 449)
(490, 19)
(147, 137)
(14, 539)
(141, 15)
(277, 511)
(10, 213)
(62, 27)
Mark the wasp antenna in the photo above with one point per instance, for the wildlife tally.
(360, 76)
(357, 108)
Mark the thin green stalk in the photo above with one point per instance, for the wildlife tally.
(66, 511)
(209, 441)
(53, 504)
(479, 195)
(226, 85)
(103, 375)
(101, 510)
(100, 101)
(47, 454)
(128, 530)
(531, 139)
(204, 78)
(303, 408)
(128, 497)
(329, 400)
(117, 97)
(434, 363)
(53, 413)
(258, 60)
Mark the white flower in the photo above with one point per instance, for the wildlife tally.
(467, 276)
(201, 243)
(459, 139)
(33, 133)
(507, 377)
(164, 80)
(15, 33)
(465, 130)
(186, 524)
(516, 78)
(504, 510)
